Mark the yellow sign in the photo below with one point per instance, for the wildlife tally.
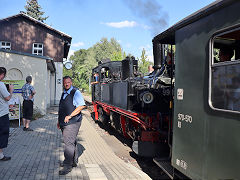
(18, 84)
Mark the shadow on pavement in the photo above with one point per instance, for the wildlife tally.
(145, 164)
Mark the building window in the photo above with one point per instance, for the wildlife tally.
(37, 49)
(225, 71)
(5, 45)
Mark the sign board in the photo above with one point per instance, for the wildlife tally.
(14, 111)
(14, 108)
(180, 94)
(18, 84)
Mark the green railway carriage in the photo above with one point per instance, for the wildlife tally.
(205, 141)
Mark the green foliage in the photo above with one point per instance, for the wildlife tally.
(84, 60)
(67, 72)
(33, 9)
(144, 63)
(216, 55)
(124, 55)
(108, 50)
(117, 56)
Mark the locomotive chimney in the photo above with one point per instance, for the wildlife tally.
(157, 55)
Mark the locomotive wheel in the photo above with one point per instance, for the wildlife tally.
(103, 117)
(115, 121)
(135, 135)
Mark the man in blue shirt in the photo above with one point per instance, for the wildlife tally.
(28, 92)
(96, 78)
(69, 121)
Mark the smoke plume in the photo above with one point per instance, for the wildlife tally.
(151, 12)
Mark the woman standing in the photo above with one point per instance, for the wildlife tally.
(5, 96)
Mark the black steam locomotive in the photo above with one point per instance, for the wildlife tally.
(137, 106)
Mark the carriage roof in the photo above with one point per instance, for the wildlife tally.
(168, 36)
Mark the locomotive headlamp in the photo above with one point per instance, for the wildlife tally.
(147, 97)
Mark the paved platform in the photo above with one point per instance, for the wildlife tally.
(36, 155)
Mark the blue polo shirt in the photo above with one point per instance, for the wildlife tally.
(78, 99)
(96, 78)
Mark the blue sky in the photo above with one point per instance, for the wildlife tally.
(133, 23)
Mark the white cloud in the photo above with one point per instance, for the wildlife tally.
(78, 44)
(122, 24)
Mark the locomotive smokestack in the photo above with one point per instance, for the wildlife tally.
(157, 55)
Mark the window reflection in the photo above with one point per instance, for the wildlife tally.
(225, 82)
(226, 87)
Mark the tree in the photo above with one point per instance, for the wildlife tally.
(85, 60)
(67, 72)
(108, 50)
(33, 9)
(117, 56)
(144, 63)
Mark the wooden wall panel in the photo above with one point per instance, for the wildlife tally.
(22, 33)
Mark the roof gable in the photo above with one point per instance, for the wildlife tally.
(36, 21)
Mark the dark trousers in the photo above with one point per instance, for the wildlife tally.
(27, 109)
(4, 131)
(70, 133)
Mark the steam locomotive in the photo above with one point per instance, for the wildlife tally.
(135, 105)
(186, 113)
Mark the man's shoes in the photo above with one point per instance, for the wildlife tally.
(74, 164)
(61, 164)
(65, 170)
(27, 129)
(5, 158)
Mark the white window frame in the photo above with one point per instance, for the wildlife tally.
(212, 64)
(3, 45)
(37, 49)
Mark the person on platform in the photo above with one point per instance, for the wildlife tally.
(69, 121)
(28, 93)
(5, 96)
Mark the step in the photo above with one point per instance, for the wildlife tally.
(165, 165)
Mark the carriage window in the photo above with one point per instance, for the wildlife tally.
(225, 81)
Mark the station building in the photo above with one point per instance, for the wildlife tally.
(30, 47)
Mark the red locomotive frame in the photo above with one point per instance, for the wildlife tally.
(149, 132)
